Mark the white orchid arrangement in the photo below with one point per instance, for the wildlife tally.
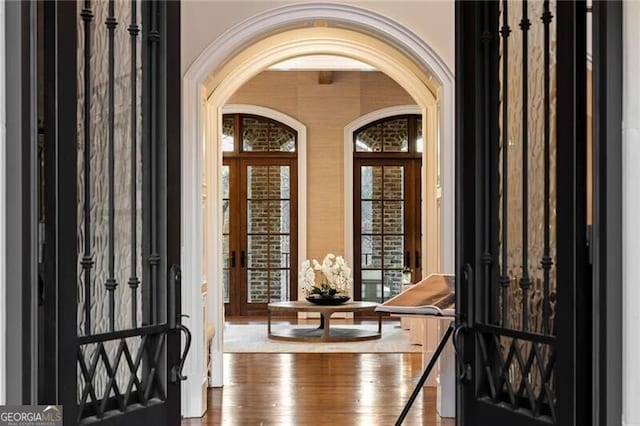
(331, 277)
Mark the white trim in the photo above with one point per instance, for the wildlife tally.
(192, 404)
(301, 153)
(630, 207)
(231, 45)
(348, 166)
(273, 20)
(3, 211)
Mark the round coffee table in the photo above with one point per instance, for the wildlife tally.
(323, 333)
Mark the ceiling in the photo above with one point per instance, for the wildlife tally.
(321, 63)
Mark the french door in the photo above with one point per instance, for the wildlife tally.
(111, 285)
(522, 268)
(387, 204)
(260, 237)
(387, 226)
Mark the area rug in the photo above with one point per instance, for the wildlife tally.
(252, 338)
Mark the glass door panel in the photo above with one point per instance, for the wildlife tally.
(226, 252)
(388, 229)
(381, 230)
(269, 216)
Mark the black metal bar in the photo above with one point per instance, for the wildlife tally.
(87, 374)
(425, 374)
(134, 365)
(172, 128)
(525, 370)
(62, 119)
(134, 281)
(112, 383)
(546, 262)
(150, 381)
(485, 258)
(111, 283)
(517, 334)
(154, 98)
(145, 195)
(504, 276)
(525, 282)
(493, 174)
(503, 374)
(47, 346)
(488, 365)
(573, 316)
(465, 147)
(87, 258)
(123, 334)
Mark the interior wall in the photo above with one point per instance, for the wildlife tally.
(630, 208)
(205, 21)
(325, 109)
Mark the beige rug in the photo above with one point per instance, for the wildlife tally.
(252, 338)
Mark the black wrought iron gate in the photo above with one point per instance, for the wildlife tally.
(522, 265)
(112, 281)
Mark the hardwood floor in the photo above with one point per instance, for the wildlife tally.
(319, 389)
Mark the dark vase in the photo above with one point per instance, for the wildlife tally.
(319, 299)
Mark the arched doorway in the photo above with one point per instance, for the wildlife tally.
(230, 62)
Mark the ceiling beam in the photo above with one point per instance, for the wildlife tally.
(325, 77)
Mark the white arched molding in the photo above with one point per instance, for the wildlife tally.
(430, 194)
(301, 153)
(230, 61)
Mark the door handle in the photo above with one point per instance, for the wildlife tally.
(243, 259)
(417, 259)
(407, 260)
(233, 259)
(174, 319)
(176, 370)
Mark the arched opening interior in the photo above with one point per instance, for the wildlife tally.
(206, 93)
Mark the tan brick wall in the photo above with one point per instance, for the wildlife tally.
(325, 110)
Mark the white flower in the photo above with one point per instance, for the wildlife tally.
(333, 274)
(307, 275)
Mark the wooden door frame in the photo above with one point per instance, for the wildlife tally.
(238, 210)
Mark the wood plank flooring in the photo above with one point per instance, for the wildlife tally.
(319, 389)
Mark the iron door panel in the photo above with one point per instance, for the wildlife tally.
(524, 338)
